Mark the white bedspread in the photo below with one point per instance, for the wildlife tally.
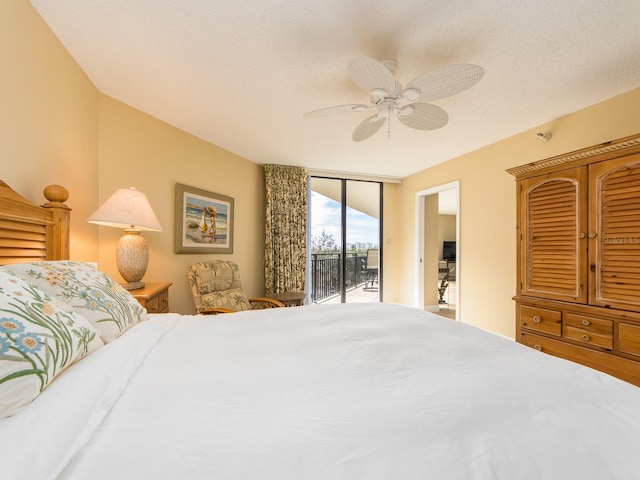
(353, 392)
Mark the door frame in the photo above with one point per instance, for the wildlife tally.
(344, 184)
(420, 242)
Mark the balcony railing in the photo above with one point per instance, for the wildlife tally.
(325, 273)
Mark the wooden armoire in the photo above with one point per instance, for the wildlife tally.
(578, 242)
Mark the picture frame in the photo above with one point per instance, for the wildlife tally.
(203, 221)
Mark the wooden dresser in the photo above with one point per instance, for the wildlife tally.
(578, 241)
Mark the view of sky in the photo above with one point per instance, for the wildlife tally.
(325, 214)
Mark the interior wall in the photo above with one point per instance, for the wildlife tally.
(49, 131)
(137, 150)
(48, 120)
(391, 231)
(488, 211)
(55, 127)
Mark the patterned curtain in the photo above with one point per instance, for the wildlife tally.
(286, 229)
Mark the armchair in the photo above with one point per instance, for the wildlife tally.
(216, 288)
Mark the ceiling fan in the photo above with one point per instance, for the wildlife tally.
(387, 95)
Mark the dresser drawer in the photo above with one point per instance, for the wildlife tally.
(159, 303)
(541, 320)
(163, 302)
(623, 368)
(544, 344)
(589, 330)
(153, 305)
(153, 296)
(589, 338)
(591, 324)
(629, 338)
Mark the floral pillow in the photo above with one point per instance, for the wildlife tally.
(39, 338)
(91, 293)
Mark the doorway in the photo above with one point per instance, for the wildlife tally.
(438, 221)
(345, 225)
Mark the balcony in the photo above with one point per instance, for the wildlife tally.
(325, 278)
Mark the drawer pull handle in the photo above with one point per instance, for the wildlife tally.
(538, 347)
(537, 318)
(586, 323)
(586, 338)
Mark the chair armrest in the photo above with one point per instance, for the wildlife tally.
(270, 302)
(215, 311)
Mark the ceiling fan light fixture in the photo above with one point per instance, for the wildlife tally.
(390, 64)
(387, 95)
(406, 111)
(385, 109)
(412, 94)
(379, 92)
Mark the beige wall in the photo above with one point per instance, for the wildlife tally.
(137, 150)
(55, 127)
(486, 268)
(48, 120)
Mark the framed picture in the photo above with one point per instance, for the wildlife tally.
(204, 221)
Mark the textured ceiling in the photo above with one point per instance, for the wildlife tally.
(241, 73)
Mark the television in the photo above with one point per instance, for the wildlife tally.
(449, 251)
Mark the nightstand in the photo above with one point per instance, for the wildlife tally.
(153, 296)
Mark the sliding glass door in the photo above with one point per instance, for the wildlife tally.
(344, 246)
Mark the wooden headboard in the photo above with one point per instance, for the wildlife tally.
(31, 233)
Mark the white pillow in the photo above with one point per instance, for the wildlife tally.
(91, 293)
(39, 338)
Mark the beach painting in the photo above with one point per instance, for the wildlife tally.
(204, 221)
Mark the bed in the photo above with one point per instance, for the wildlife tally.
(367, 391)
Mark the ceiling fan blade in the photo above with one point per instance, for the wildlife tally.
(328, 111)
(369, 74)
(423, 116)
(446, 81)
(368, 127)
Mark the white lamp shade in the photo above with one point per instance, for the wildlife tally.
(126, 208)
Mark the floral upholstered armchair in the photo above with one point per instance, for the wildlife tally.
(215, 286)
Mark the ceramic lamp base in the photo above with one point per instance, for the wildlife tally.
(133, 285)
(132, 258)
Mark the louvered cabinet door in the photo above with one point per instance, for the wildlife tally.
(614, 233)
(553, 245)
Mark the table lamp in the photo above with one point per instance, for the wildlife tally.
(129, 208)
